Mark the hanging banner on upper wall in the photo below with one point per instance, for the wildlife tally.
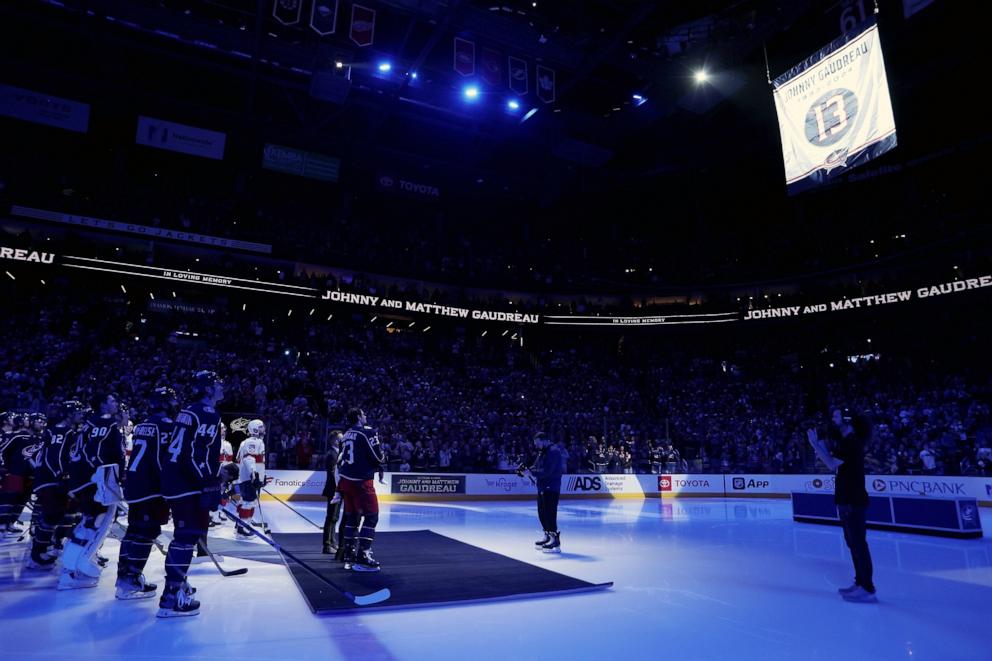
(362, 25)
(287, 12)
(834, 110)
(464, 62)
(492, 67)
(518, 75)
(186, 139)
(324, 16)
(41, 108)
(545, 84)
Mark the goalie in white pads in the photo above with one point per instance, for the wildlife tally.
(251, 477)
(95, 470)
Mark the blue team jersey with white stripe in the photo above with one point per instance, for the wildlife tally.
(192, 456)
(149, 448)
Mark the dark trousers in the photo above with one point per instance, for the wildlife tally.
(852, 517)
(330, 522)
(547, 510)
(190, 520)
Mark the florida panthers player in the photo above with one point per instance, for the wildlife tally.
(226, 457)
(361, 458)
(251, 478)
(96, 464)
(50, 478)
(147, 511)
(191, 486)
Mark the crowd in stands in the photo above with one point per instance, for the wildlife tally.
(450, 401)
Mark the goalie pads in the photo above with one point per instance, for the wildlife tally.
(79, 555)
(108, 485)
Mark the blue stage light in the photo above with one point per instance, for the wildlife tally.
(513, 105)
(385, 67)
(471, 92)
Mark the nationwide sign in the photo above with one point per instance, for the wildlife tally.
(172, 136)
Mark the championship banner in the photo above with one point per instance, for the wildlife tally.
(464, 62)
(362, 25)
(834, 110)
(39, 108)
(161, 134)
(545, 84)
(324, 16)
(518, 75)
(287, 12)
(492, 67)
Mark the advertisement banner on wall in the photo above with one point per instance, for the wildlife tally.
(499, 485)
(39, 108)
(678, 484)
(600, 484)
(416, 484)
(172, 136)
(924, 485)
(776, 485)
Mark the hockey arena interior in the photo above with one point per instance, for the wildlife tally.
(449, 329)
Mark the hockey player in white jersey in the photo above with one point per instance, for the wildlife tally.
(226, 457)
(251, 467)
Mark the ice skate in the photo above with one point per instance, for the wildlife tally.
(176, 602)
(133, 586)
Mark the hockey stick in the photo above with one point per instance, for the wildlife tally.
(358, 600)
(213, 558)
(295, 511)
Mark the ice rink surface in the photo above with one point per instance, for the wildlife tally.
(694, 579)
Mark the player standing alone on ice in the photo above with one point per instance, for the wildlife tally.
(547, 471)
(251, 478)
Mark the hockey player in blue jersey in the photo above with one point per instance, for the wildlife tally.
(17, 455)
(96, 463)
(360, 459)
(147, 509)
(191, 486)
(50, 478)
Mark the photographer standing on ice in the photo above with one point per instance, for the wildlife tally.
(850, 496)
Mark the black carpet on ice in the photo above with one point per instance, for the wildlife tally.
(422, 568)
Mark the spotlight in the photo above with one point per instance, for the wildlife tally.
(414, 75)
(701, 76)
(385, 67)
(513, 105)
(339, 65)
(471, 92)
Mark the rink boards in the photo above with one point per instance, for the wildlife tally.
(308, 485)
